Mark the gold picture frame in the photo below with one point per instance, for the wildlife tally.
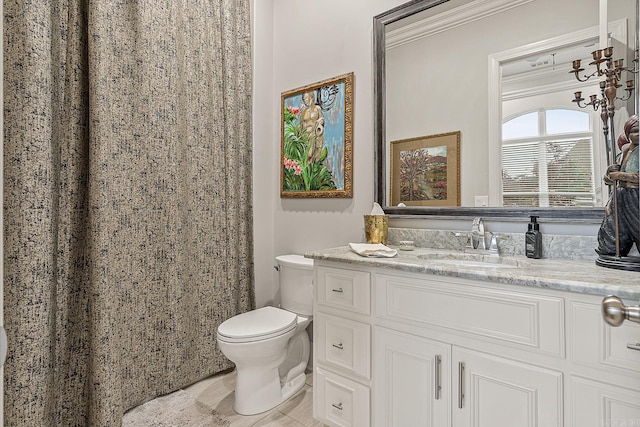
(425, 171)
(317, 140)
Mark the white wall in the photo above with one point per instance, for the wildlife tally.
(309, 41)
(264, 155)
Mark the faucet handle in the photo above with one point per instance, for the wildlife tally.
(493, 243)
(477, 234)
(478, 226)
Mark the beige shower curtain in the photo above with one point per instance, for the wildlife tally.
(127, 200)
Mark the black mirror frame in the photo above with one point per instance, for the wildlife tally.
(380, 184)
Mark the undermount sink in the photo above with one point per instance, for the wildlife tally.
(474, 260)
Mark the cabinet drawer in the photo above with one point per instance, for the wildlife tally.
(346, 289)
(344, 343)
(530, 321)
(339, 401)
(596, 344)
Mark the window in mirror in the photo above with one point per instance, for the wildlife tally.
(547, 159)
(521, 127)
(566, 121)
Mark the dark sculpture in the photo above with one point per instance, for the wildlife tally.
(620, 228)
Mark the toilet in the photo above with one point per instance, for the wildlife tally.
(269, 345)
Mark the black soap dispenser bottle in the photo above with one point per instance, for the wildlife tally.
(533, 239)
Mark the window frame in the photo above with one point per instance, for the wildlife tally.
(541, 140)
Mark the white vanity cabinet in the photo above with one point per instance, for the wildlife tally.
(604, 390)
(342, 346)
(396, 348)
(418, 380)
(412, 380)
(496, 391)
(469, 342)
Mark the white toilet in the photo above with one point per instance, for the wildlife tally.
(270, 346)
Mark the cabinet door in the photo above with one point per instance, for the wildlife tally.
(491, 391)
(412, 380)
(597, 404)
(594, 343)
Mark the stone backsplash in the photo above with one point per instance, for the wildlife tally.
(509, 244)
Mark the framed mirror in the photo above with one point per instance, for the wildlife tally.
(446, 86)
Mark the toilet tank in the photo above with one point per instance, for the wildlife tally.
(296, 283)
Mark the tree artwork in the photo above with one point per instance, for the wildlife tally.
(423, 176)
(425, 171)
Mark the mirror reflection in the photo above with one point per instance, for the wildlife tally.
(499, 72)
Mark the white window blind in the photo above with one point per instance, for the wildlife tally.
(548, 170)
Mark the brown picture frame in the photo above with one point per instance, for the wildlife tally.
(425, 171)
(316, 143)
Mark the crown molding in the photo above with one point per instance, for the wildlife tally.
(476, 10)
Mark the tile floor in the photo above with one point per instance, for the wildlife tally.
(217, 393)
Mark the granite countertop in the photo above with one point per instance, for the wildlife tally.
(559, 274)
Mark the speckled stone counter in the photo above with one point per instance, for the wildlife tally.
(560, 274)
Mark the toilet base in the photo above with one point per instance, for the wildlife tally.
(269, 371)
(261, 390)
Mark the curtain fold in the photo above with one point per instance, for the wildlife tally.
(127, 200)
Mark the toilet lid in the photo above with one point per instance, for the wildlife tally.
(263, 323)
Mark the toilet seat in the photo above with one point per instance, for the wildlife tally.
(257, 325)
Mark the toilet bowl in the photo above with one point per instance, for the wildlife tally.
(270, 346)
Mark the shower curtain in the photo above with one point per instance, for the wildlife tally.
(127, 200)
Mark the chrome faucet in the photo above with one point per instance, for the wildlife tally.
(477, 234)
(478, 240)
